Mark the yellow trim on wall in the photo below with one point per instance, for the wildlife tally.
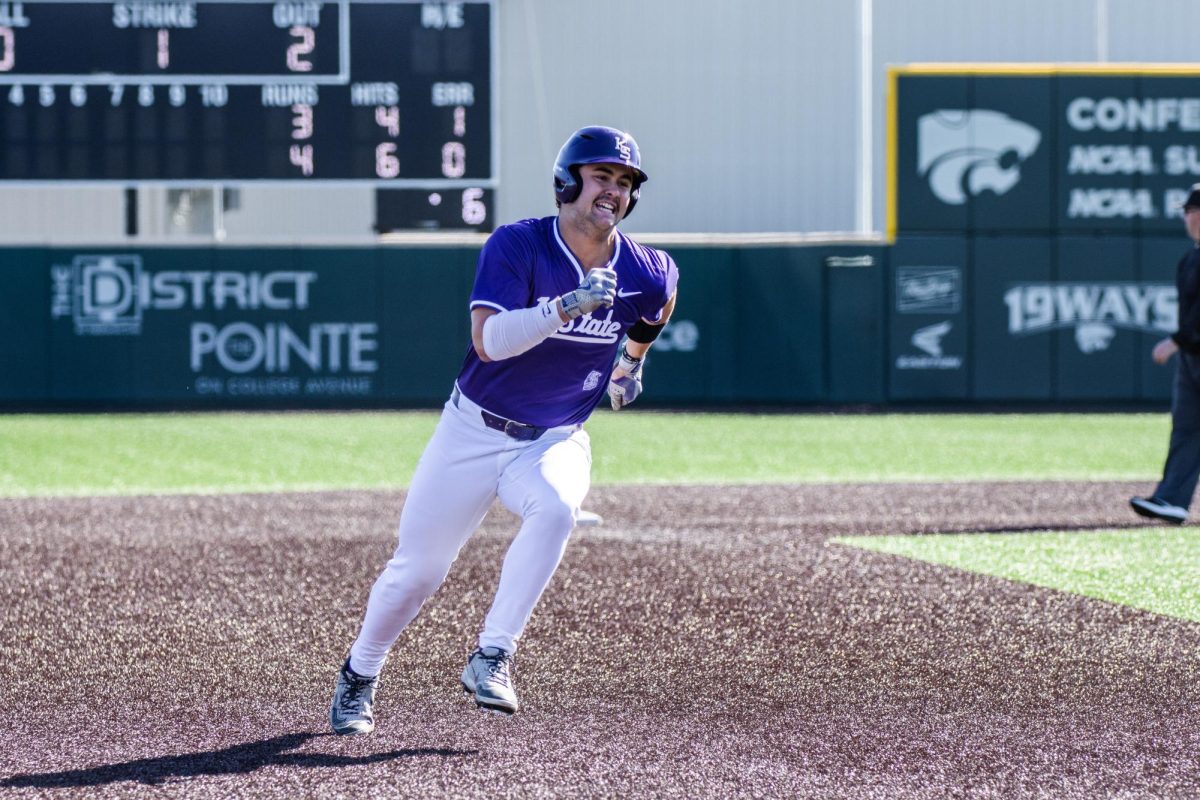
(1082, 68)
(892, 156)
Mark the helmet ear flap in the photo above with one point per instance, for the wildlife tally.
(567, 184)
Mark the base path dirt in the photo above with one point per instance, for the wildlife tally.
(702, 642)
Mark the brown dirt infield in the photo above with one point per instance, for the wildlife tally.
(704, 642)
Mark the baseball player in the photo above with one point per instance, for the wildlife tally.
(552, 301)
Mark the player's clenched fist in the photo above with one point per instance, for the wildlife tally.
(599, 288)
(625, 383)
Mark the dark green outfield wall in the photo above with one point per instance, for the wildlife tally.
(389, 326)
(933, 318)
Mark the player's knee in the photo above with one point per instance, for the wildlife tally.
(415, 577)
(556, 516)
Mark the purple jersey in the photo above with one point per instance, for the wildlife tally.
(560, 380)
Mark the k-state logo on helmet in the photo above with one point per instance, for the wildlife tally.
(963, 152)
(624, 149)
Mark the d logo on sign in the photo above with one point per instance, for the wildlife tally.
(100, 293)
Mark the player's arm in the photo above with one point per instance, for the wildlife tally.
(625, 383)
(480, 315)
(497, 335)
(642, 335)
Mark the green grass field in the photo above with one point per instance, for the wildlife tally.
(1153, 569)
(170, 453)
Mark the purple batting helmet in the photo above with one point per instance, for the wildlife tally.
(596, 144)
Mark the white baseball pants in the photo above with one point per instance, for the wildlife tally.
(465, 466)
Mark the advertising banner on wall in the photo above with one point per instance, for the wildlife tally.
(928, 343)
(1070, 318)
(214, 332)
(1029, 148)
(272, 327)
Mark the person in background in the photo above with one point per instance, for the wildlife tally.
(1173, 496)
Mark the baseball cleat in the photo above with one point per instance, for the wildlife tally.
(488, 679)
(352, 713)
(588, 518)
(1155, 508)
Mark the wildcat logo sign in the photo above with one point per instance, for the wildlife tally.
(1095, 310)
(963, 153)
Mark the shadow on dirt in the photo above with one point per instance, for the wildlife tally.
(240, 759)
(1046, 528)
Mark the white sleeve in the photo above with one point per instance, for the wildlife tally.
(510, 333)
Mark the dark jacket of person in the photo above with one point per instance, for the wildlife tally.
(1187, 284)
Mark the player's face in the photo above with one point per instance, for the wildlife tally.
(1191, 218)
(604, 198)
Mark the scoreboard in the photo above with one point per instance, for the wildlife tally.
(395, 94)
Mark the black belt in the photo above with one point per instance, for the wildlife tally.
(516, 430)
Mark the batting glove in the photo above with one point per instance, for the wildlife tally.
(599, 288)
(625, 384)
